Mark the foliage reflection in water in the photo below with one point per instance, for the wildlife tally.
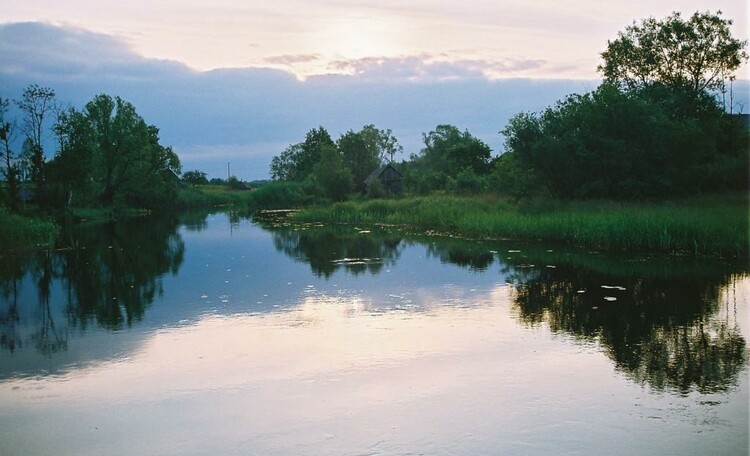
(103, 276)
(373, 328)
(667, 322)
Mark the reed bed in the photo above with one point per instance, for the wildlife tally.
(710, 226)
(274, 195)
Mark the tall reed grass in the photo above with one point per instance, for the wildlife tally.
(711, 226)
(274, 195)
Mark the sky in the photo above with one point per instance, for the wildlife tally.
(238, 81)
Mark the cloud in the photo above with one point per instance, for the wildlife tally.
(431, 68)
(413, 68)
(292, 59)
(40, 51)
(248, 115)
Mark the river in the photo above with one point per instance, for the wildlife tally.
(220, 334)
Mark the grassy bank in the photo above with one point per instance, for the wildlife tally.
(274, 195)
(710, 226)
(18, 232)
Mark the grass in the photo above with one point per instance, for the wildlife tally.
(707, 226)
(274, 195)
(209, 196)
(19, 233)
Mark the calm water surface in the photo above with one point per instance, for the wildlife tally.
(217, 335)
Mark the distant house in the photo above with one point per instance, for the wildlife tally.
(389, 178)
(170, 176)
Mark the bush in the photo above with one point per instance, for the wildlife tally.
(278, 195)
(467, 182)
(513, 178)
(424, 182)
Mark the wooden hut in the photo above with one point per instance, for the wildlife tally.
(389, 178)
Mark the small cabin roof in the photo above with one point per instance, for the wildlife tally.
(380, 170)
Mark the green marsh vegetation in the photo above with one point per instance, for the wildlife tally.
(18, 232)
(268, 195)
(706, 226)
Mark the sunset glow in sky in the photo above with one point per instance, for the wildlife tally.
(498, 38)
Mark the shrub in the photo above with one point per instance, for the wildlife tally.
(467, 182)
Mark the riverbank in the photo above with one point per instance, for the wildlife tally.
(715, 226)
(273, 195)
(18, 232)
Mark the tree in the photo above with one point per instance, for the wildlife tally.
(7, 131)
(296, 162)
(36, 103)
(624, 145)
(448, 151)
(283, 166)
(359, 155)
(72, 170)
(331, 176)
(310, 152)
(387, 144)
(195, 178)
(120, 138)
(127, 163)
(365, 150)
(157, 179)
(698, 53)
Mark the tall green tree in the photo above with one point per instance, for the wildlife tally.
(37, 104)
(448, 153)
(449, 150)
(330, 176)
(72, 170)
(195, 177)
(120, 138)
(296, 162)
(359, 156)
(624, 145)
(653, 129)
(284, 165)
(698, 53)
(108, 149)
(159, 176)
(310, 153)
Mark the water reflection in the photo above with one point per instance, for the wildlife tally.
(474, 256)
(664, 322)
(12, 270)
(669, 324)
(330, 248)
(673, 329)
(104, 275)
(46, 337)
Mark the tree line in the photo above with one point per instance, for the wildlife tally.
(658, 126)
(331, 169)
(106, 154)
